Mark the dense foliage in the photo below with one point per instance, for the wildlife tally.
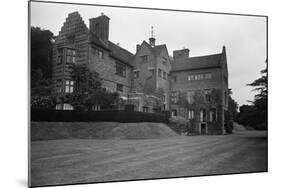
(179, 124)
(41, 68)
(88, 92)
(94, 116)
(41, 54)
(255, 115)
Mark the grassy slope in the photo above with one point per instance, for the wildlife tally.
(80, 161)
(99, 130)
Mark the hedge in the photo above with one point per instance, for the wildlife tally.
(94, 116)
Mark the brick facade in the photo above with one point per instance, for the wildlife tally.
(138, 76)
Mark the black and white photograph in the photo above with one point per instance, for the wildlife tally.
(121, 93)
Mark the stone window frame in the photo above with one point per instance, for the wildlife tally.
(136, 73)
(190, 114)
(159, 73)
(59, 87)
(174, 97)
(69, 86)
(60, 56)
(165, 60)
(120, 69)
(144, 58)
(71, 55)
(119, 87)
(164, 75)
(98, 52)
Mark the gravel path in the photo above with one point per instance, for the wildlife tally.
(81, 161)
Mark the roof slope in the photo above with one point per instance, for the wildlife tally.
(158, 49)
(120, 53)
(200, 62)
(116, 51)
(97, 41)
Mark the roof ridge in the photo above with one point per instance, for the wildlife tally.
(205, 55)
(120, 47)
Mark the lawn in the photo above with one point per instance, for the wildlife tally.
(94, 160)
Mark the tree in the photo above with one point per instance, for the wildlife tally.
(260, 101)
(88, 91)
(41, 54)
(232, 107)
(41, 95)
(255, 115)
(41, 68)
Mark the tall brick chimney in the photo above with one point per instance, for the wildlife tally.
(137, 48)
(179, 54)
(100, 27)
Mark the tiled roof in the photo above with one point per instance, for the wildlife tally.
(157, 49)
(120, 53)
(94, 39)
(115, 51)
(200, 62)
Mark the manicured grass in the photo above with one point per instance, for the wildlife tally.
(88, 160)
(99, 130)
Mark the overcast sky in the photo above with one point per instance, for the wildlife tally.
(204, 34)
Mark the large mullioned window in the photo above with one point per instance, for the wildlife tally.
(60, 56)
(120, 69)
(203, 76)
(70, 55)
(69, 86)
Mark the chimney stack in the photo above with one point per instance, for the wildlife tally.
(100, 27)
(181, 54)
(137, 48)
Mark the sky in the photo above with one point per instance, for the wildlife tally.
(243, 36)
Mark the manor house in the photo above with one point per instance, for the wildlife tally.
(149, 79)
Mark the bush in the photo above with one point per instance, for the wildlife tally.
(229, 127)
(179, 124)
(46, 102)
(94, 116)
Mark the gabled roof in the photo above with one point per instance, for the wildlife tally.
(200, 62)
(120, 53)
(158, 49)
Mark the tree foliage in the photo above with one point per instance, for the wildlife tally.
(88, 91)
(255, 115)
(41, 68)
(232, 107)
(41, 54)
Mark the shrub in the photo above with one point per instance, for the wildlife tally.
(179, 124)
(229, 127)
(43, 102)
(94, 116)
